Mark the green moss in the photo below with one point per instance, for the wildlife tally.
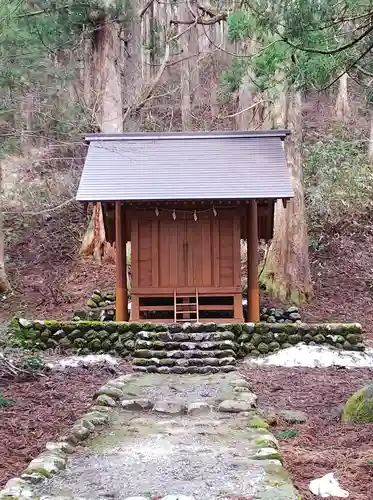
(257, 422)
(123, 326)
(40, 471)
(135, 327)
(52, 324)
(266, 441)
(359, 407)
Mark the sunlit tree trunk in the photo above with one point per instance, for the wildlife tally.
(107, 95)
(286, 274)
(342, 105)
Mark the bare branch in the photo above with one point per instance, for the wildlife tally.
(244, 110)
(145, 8)
(199, 20)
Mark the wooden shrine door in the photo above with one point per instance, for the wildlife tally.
(181, 253)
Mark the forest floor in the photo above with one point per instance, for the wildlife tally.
(39, 409)
(323, 444)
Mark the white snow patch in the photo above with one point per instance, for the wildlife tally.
(327, 486)
(75, 361)
(314, 356)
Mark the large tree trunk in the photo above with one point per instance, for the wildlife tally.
(286, 273)
(342, 106)
(370, 144)
(109, 118)
(185, 68)
(4, 282)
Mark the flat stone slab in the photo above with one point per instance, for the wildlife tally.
(196, 456)
(293, 417)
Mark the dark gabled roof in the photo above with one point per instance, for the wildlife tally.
(185, 166)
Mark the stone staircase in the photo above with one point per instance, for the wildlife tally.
(185, 352)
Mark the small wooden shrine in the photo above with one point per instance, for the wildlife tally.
(185, 201)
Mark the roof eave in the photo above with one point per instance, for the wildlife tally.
(281, 134)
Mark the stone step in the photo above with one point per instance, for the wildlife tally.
(180, 354)
(185, 345)
(186, 336)
(185, 369)
(184, 362)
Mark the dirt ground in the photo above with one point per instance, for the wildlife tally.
(43, 409)
(323, 444)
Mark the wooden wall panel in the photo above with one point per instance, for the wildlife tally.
(226, 252)
(169, 253)
(145, 252)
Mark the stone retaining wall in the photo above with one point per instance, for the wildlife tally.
(122, 338)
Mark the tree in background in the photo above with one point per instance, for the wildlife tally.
(300, 45)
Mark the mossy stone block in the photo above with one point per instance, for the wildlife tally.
(95, 345)
(106, 345)
(262, 328)
(256, 422)
(65, 343)
(286, 345)
(263, 348)
(267, 337)
(122, 326)
(135, 327)
(274, 346)
(256, 339)
(103, 335)
(45, 334)
(255, 353)
(359, 407)
(129, 345)
(353, 338)
(244, 337)
(294, 339)
(248, 347)
(75, 334)
(114, 336)
(281, 337)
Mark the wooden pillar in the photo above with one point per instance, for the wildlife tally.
(121, 303)
(253, 297)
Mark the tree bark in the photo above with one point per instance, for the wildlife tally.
(4, 282)
(108, 116)
(342, 106)
(370, 144)
(286, 274)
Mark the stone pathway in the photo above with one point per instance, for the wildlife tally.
(191, 435)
